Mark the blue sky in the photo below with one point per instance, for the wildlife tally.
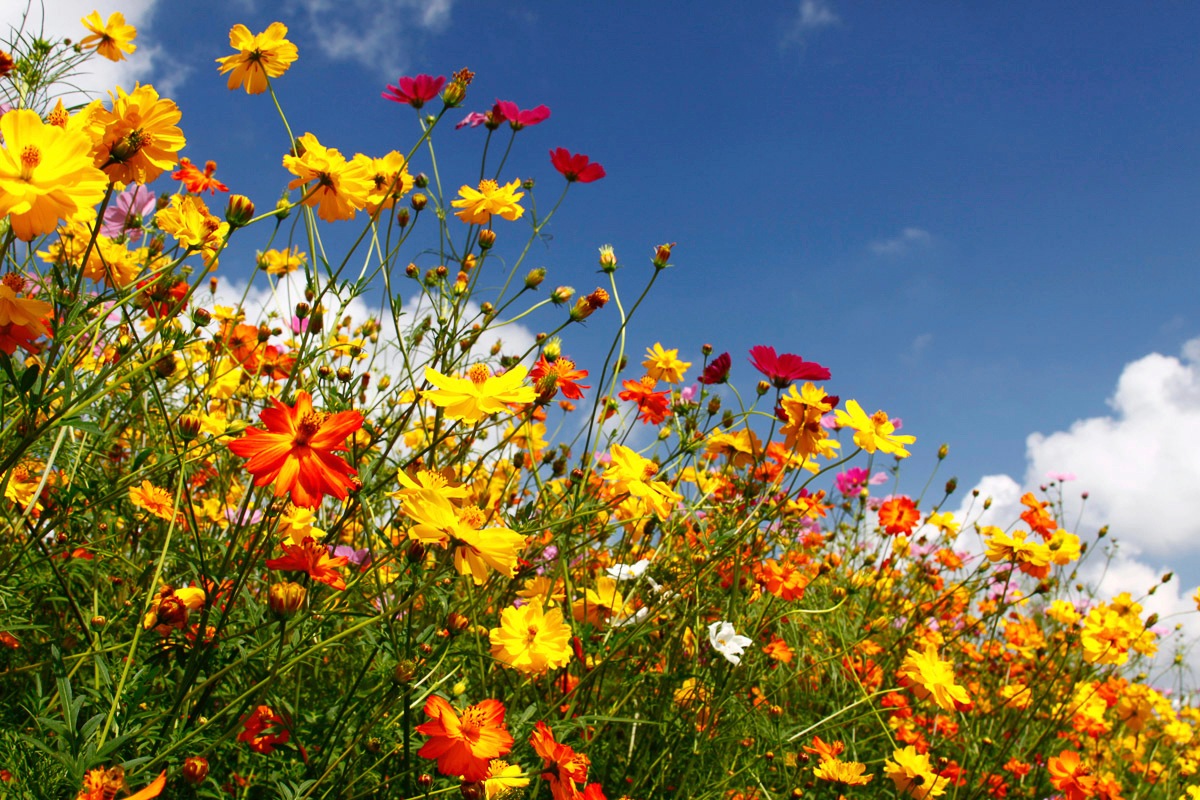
(979, 216)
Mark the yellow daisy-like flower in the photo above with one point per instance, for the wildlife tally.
(599, 605)
(153, 499)
(665, 365)
(112, 39)
(137, 140)
(478, 395)
(281, 262)
(629, 472)
(390, 177)
(260, 56)
(342, 187)
(478, 205)
(912, 772)
(928, 676)
(847, 773)
(503, 780)
(46, 175)
(476, 549)
(194, 226)
(875, 432)
(530, 640)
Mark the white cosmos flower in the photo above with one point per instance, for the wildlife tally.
(628, 572)
(726, 641)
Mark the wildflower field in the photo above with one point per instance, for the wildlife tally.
(309, 554)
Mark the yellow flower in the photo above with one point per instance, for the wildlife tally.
(261, 56)
(742, 448)
(664, 365)
(137, 140)
(154, 500)
(875, 432)
(26, 312)
(477, 549)
(503, 780)
(927, 676)
(478, 205)
(193, 225)
(911, 772)
(480, 394)
(390, 179)
(281, 262)
(342, 187)
(531, 641)
(601, 604)
(629, 472)
(847, 773)
(112, 39)
(804, 410)
(46, 175)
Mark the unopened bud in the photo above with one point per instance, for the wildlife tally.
(420, 180)
(762, 388)
(403, 217)
(487, 238)
(562, 295)
(201, 317)
(535, 277)
(286, 597)
(195, 769)
(943, 451)
(987, 503)
(951, 485)
(418, 202)
(714, 405)
(239, 211)
(344, 374)
(552, 349)
(706, 350)
(457, 623)
(189, 427)
(283, 207)
(662, 254)
(608, 259)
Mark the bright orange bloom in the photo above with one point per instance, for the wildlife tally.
(1070, 776)
(898, 515)
(550, 377)
(296, 451)
(136, 141)
(1037, 516)
(464, 746)
(563, 767)
(261, 56)
(263, 729)
(653, 407)
(314, 559)
(111, 39)
(784, 580)
(104, 784)
(25, 313)
(198, 182)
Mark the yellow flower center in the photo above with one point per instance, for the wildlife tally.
(531, 635)
(127, 147)
(471, 517)
(58, 117)
(31, 156)
(473, 720)
(488, 186)
(478, 373)
(649, 471)
(879, 419)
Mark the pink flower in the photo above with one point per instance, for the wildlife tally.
(474, 119)
(575, 167)
(417, 91)
(129, 213)
(1060, 476)
(517, 119)
(786, 368)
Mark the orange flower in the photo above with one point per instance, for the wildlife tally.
(104, 784)
(898, 515)
(563, 767)
(136, 141)
(464, 746)
(263, 729)
(297, 451)
(653, 407)
(198, 182)
(1070, 776)
(310, 557)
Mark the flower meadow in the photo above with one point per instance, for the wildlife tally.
(301, 553)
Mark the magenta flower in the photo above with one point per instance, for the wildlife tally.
(474, 119)
(717, 370)
(786, 368)
(517, 119)
(417, 91)
(129, 213)
(575, 167)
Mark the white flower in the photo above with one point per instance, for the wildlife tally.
(726, 641)
(628, 572)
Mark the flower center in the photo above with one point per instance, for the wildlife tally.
(531, 635)
(488, 186)
(478, 373)
(127, 147)
(649, 471)
(31, 156)
(308, 427)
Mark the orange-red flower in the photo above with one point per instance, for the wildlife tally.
(652, 405)
(296, 451)
(1070, 776)
(464, 746)
(898, 515)
(198, 182)
(104, 784)
(550, 377)
(263, 729)
(313, 558)
(563, 767)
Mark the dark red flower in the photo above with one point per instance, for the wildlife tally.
(717, 370)
(575, 167)
(417, 91)
(517, 119)
(786, 368)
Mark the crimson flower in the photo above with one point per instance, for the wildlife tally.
(417, 91)
(717, 370)
(786, 368)
(576, 167)
(517, 119)
(475, 119)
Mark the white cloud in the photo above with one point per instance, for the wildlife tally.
(811, 15)
(376, 35)
(908, 239)
(56, 19)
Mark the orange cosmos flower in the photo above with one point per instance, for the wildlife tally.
(198, 182)
(111, 39)
(137, 140)
(563, 767)
(297, 451)
(104, 784)
(464, 746)
(263, 729)
(898, 515)
(653, 407)
(261, 56)
(1070, 776)
(313, 558)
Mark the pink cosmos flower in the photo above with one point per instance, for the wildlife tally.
(1060, 476)
(417, 91)
(474, 120)
(786, 368)
(129, 213)
(517, 119)
(575, 167)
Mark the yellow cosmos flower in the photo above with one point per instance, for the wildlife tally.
(911, 772)
(531, 641)
(260, 56)
(390, 178)
(629, 472)
(476, 549)
(137, 140)
(46, 175)
(503, 780)
(342, 187)
(194, 226)
(875, 432)
(478, 395)
(112, 39)
(928, 676)
(665, 365)
(281, 262)
(599, 605)
(26, 312)
(847, 773)
(478, 205)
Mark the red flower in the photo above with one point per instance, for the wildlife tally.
(297, 451)
(464, 746)
(263, 730)
(652, 405)
(786, 368)
(575, 167)
(198, 182)
(313, 558)
(717, 370)
(517, 119)
(563, 768)
(417, 91)
(549, 377)
(898, 515)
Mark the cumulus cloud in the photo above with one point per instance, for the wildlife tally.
(811, 15)
(908, 240)
(376, 35)
(61, 18)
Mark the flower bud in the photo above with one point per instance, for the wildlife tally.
(527, 184)
(762, 388)
(189, 427)
(344, 374)
(415, 553)
(535, 277)
(98, 622)
(608, 259)
(552, 349)
(487, 238)
(283, 207)
(706, 350)
(457, 623)
(239, 211)
(286, 597)
(951, 485)
(195, 769)
(943, 451)
(425, 781)
(201, 317)
(662, 254)
(402, 217)
(418, 201)
(714, 405)
(562, 295)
